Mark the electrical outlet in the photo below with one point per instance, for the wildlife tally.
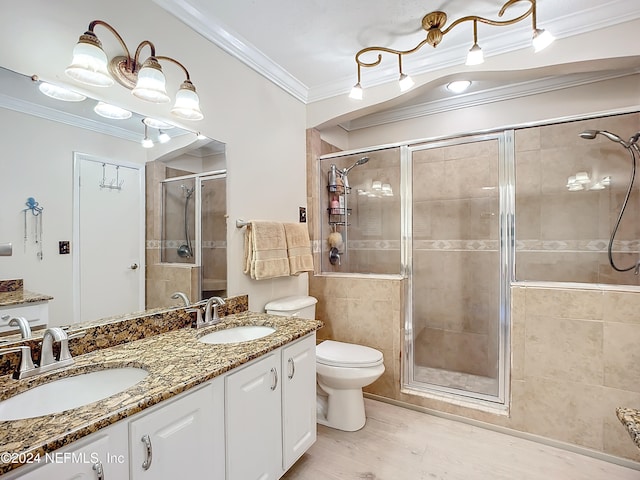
(303, 214)
(64, 247)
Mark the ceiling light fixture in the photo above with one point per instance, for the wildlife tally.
(146, 141)
(146, 81)
(433, 23)
(163, 137)
(458, 86)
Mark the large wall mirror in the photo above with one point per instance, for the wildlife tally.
(105, 196)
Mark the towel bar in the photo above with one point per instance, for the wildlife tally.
(241, 223)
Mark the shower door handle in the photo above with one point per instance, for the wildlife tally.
(134, 266)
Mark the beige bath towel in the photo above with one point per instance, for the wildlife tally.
(298, 248)
(265, 250)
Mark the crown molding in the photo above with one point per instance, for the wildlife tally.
(232, 43)
(607, 14)
(491, 95)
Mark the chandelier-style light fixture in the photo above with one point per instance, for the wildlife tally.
(146, 81)
(434, 24)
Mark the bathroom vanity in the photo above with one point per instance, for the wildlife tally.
(230, 410)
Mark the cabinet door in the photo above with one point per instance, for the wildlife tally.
(182, 439)
(254, 424)
(100, 456)
(298, 398)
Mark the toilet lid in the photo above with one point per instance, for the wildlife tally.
(340, 354)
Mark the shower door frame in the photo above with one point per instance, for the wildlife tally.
(506, 242)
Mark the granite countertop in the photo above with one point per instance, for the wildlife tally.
(630, 418)
(176, 362)
(17, 297)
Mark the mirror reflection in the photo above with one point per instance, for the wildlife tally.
(113, 213)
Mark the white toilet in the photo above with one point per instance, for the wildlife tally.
(343, 369)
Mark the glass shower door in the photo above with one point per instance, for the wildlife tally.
(459, 280)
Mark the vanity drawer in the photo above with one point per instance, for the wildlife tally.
(37, 314)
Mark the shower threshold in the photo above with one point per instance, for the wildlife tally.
(456, 380)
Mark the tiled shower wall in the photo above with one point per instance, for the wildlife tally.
(562, 235)
(573, 351)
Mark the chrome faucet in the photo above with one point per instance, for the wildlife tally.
(182, 296)
(211, 310)
(26, 368)
(51, 335)
(20, 322)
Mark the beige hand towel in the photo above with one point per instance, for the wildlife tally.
(265, 254)
(298, 248)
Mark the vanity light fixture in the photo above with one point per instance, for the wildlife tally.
(107, 110)
(434, 25)
(146, 81)
(58, 92)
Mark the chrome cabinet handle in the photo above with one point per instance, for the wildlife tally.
(147, 443)
(99, 471)
(275, 379)
(292, 369)
(134, 266)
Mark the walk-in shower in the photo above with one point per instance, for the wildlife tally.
(194, 231)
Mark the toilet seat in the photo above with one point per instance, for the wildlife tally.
(340, 354)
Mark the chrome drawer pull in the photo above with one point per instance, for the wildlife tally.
(99, 471)
(275, 379)
(292, 369)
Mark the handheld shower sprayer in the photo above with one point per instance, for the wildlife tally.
(345, 171)
(632, 147)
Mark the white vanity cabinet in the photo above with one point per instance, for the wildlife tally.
(253, 420)
(271, 412)
(184, 438)
(100, 456)
(298, 399)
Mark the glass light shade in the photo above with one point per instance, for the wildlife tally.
(151, 83)
(458, 86)
(356, 92)
(107, 110)
(406, 82)
(475, 55)
(163, 137)
(60, 93)
(154, 123)
(541, 39)
(376, 185)
(89, 63)
(147, 142)
(187, 104)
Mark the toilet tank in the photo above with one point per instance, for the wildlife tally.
(301, 306)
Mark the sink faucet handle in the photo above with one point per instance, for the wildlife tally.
(26, 363)
(198, 312)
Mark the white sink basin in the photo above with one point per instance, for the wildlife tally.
(244, 333)
(70, 392)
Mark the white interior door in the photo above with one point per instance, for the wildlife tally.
(108, 238)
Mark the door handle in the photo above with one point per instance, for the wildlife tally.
(134, 266)
(275, 379)
(97, 467)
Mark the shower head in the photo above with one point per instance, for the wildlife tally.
(591, 134)
(362, 161)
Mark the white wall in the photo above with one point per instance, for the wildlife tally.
(262, 126)
(36, 161)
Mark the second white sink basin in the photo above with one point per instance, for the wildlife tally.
(243, 333)
(70, 392)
